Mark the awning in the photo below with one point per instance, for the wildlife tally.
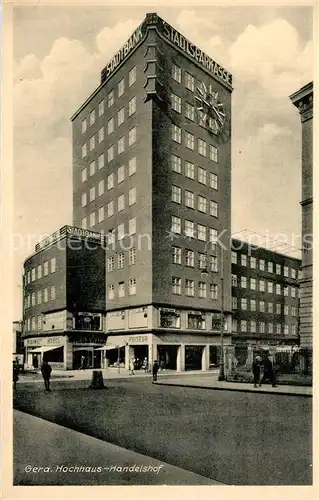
(108, 347)
(45, 348)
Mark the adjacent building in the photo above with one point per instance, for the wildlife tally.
(303, 100)
(265, 296)
(152, 171)
(64, 299)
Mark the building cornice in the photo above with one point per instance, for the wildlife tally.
(303, 100)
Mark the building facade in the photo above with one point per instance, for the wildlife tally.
(64, 300)
(152, 171)
(303, 100)
(265, 296)
(17, 342)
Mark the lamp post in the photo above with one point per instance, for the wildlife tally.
(221, 375)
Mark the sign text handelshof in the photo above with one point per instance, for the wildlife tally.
(196, 53)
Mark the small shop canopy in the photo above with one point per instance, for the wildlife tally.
(108, 347)
(45, 348)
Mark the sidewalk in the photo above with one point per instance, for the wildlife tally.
(39, 443)
(210, 381)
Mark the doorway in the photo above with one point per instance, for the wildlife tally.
(193, 357)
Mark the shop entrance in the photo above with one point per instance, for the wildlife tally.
(140, 352)
(86, 357)
(112, 356)
(167, 356)
(193, 357)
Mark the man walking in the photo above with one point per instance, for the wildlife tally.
(46, 374)
(155, 370)
(256, 370)
(269, 372)
(15, 377)
(132, 366)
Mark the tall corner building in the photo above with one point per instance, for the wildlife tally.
(152, 170)
(303, 100)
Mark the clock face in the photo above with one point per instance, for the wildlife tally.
(211, 114)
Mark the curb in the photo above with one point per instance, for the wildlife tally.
(257, 391)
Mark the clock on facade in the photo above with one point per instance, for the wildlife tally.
(211, 113)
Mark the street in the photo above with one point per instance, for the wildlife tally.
(232, 437)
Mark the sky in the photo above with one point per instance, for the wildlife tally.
(58, 55)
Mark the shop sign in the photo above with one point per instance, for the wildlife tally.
(87, 339)
(84, 233)
(138, 339)
(44, 341)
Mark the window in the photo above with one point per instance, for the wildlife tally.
(270, 267)
(261, 264)
(213, 208)
(39, 297)
(110, 153)
(92, 194)
(243, 282)
(234, 280)
(190, 288)
(252, 283)
(286, 329)
(278, 269)
(213, 238)
(176, 134)
(189, 258)
(100, 162)
(110, 181)
(253, 326)
(252, 305)
(286, 310)
(278, 289)
(132, 286)
(234, 303)
(121, 289)
(293, 292)
(270, 328)
(176, 255)
(189, 170)
(33, 277)
(189, 111)
(243, 260)
(189, 82)
(84, 150)
(177, 286)
(92, 219)
(101, 108)
(270, 307)
(92, 142)
(201, 232)
(202, 147)
(110, 126)
(101, 135)
(132, 136)
(189, 140)
(213, 291)
(286, 291)
(110, 264)
(131, 256)
(45, 295)
(46, 268)
(84, 199)
(261, 327)
(92, 117)
(170, 319)
(213, 153)
(213, 181)
(120, 232)
(278, 328)
(176, 73)
(84, 126)
(176, 103)
(120, 88)
(176, 164)
(52, 292)
(132, 76)
(176, 194)
(101, 214)
(84, 223)
(92, 168)
(270, 287)
(110, 292)
(243, 304)
(201, 204)
(132, 226)
(293, 329)
(201, 175)
(176, 225)
(120, 145)
(202, 290)
(120, 117)
(33, 299)
(39, 272)
(132, 166)
(110, 99)
(121, 203)
(100, 188)
(53, 265)
(120, 174)
(261, 285)
(234, 258)
(262, 306)
(243, 325)
(293, 273)
(213, 263)
(278, 308)
(110, 208)
(84, 175)
(132, 196)
(120, 260)
(33, 326)
(253, 262)
(189, 229)
(202, 261)
(132, 106)
(286, 271)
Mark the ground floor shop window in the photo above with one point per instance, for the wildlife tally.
(214, 356)
(54, 356)
(167, 356)
(193, 357)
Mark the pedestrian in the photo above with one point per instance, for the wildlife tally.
(269, 372)
(46, 374)
(155, 370)
(82, 367)
(145, 365)
(15, 376)
(132, 366)
(256, 370)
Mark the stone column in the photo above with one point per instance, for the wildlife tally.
(205, 358)
(180, 362)
(68, 355)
